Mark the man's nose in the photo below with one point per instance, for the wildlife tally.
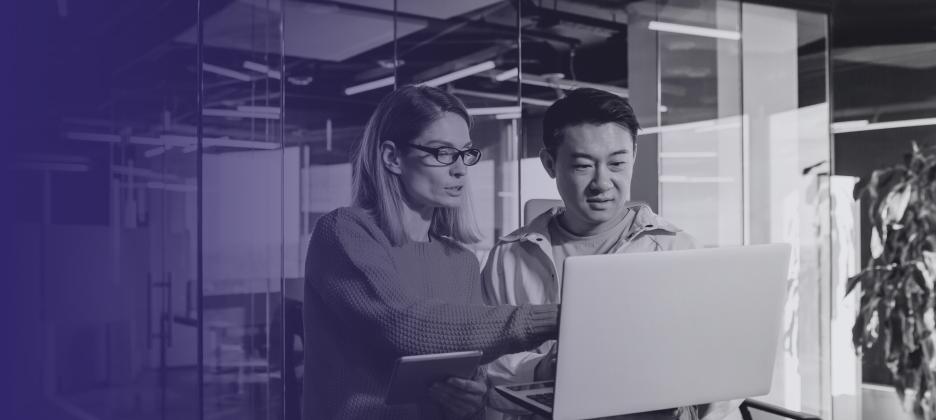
(602, 180)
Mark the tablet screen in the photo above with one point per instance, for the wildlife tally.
(413, 375)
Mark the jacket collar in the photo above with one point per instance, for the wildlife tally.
(645, 219)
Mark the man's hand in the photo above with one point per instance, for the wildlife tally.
(460, 398)
(546, 368)
(720, 410)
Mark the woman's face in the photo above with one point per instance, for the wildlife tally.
(427, 182)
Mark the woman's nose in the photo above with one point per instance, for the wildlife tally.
(458, 168)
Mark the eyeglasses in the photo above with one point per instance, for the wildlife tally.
(448, 155)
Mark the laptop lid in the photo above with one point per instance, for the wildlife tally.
(649, 331)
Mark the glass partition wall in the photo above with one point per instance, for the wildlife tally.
(246, 169)
(107, 222)
(212, 175)
(735, 148)
(732, 97)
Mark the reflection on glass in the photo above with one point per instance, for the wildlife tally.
(243, 220)
(343, 58)
(566, 45)
(111, 235)
(700, 119)
(787, 152)
(470, 48)
(734, 149)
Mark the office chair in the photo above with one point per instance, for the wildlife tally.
(761, 406)
(537, 206)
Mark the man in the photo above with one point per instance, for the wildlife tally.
(589, 140)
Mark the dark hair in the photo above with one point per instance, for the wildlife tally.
(400, 117)
(586, 106)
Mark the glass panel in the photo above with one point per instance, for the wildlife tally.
(700, 119)
(243, 222)
(874, 129)
(744, 154)
(340, 64)
(333, 86)
(787, 186)
(108, 225)
(335, 52)
(566, 45)
(470, 48)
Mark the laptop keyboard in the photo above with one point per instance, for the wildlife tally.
(545, 398)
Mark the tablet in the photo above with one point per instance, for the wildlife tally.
(413, 375)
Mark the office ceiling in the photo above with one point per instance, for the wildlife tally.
(884, 59)
(134, 61)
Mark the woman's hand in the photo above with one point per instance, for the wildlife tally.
(546, 368)
(460, 398)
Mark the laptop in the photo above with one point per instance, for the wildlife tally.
(650, 331)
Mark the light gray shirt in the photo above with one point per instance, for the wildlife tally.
(567, 244)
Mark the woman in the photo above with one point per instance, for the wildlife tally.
(387, 276)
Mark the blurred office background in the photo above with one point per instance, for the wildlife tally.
(165, 197)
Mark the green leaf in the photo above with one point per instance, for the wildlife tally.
(897, 299)
(895, 203)
(860, 189)
(900, 388)
(853, 281)
(917, 277)
(858, 333)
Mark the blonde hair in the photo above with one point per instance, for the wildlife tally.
(401, 117)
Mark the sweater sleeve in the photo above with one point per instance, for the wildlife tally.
(349, 267)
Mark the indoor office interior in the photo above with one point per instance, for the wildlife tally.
(163, 218)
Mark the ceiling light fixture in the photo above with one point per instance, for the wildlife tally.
(564, 84)
(697, 126)
(259, 109)
(237, 113)
(864, 125)
(502, 97)
(262, 68)
(509, 74)
(364, 87)
(221, 71)
(494, 110)
(694, 30)
(459, 74)
(174, 140)
(301, 80)
(174, 187)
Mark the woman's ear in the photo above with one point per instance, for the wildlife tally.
(549, 162)
(390, 157)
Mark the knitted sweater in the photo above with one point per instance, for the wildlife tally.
(368, 302)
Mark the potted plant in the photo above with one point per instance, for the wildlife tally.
(896, 305)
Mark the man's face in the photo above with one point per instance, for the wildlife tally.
(593, 167)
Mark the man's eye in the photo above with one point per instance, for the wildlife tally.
(581, 166)
(618, 164)
(447, 152)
